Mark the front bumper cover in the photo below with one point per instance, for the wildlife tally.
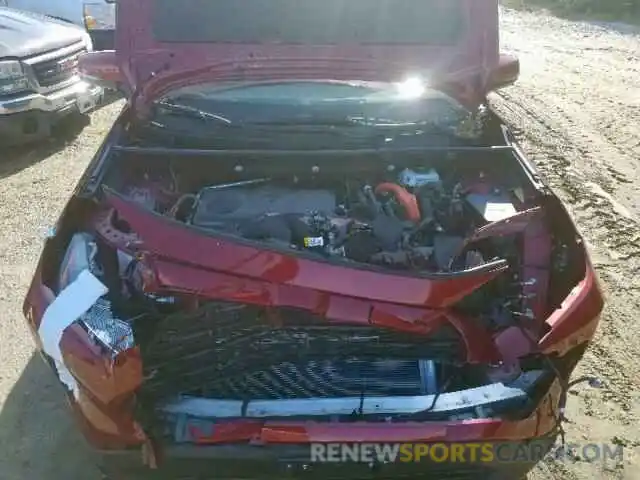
(79, 93)
(32, 116)
(511, 461)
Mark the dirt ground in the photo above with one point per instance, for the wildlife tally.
(577, 111)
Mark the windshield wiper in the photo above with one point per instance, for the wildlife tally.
(358, 124)
(358, 128)
(339, 121)
(193, 112)
(320, 121)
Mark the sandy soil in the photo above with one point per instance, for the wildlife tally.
(577, 112)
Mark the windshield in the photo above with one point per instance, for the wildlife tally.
(316, 22)
(313, 103)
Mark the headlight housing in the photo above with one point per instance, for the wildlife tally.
(12, 77)
(99, 16)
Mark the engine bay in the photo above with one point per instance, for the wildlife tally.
(413, 220)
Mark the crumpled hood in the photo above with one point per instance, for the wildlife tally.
(163, 44)
(259, 270)
(23, 34)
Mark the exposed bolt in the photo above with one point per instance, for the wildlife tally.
(526, 314)
(527, 296)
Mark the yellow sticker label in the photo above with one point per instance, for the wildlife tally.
(310, 242)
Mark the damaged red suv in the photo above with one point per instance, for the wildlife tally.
(306, 226)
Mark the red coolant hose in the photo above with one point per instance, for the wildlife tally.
(404, 198)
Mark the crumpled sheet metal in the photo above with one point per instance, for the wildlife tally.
(111, 332)
(73, 301)
(82, 301)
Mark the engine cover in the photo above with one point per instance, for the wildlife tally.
(220, 205)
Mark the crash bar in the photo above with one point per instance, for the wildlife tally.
(463, 399)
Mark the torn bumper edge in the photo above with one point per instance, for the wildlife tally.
(82, 301)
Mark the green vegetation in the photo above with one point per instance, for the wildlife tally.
(614, 10)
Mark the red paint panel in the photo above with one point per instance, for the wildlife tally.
(181, 278)
(576, 320)
(171, 240)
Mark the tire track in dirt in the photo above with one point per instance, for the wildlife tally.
(598, 215)
(551, 149)
(575, 111)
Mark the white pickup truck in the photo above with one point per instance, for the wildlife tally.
(97, 16)
(39, 81)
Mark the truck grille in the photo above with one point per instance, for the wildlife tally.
(230, 351)
(322, 378)
(57, 70)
